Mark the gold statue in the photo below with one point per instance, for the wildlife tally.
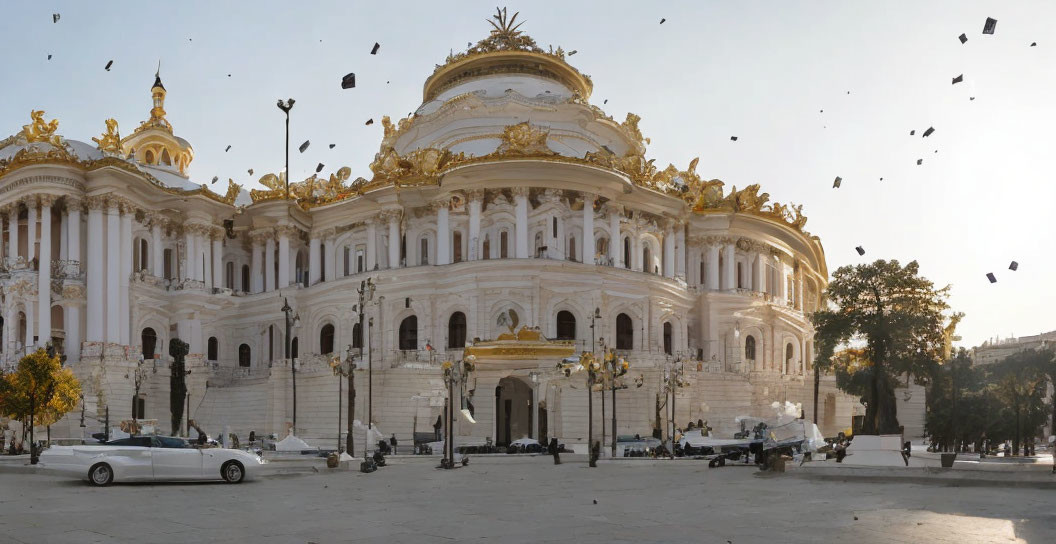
(233, 189)
(110, 141)
(39, 131)
(631, 126)
(390, 131)
(948, 336)
(523, 139)
(748, 199)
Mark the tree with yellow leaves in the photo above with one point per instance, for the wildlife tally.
(41, 390)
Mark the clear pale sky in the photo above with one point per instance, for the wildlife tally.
(757, 70)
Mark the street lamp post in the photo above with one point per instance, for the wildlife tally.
(673, 379)
(286, 107)
(366, 295)
(454, 374)
(346, 369)
(287, 310)
(593, 348)
(615, 366)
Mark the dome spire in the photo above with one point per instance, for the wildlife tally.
(157, 93)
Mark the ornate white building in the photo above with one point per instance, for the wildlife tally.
(508, 216)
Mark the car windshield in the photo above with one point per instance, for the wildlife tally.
(171, 442)
(139, 441)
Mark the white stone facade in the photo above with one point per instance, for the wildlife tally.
(138, 252)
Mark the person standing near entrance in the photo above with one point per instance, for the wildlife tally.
(554, 450)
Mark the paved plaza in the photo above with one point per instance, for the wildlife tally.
(523, 499)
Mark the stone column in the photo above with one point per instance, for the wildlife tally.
(72, 315)
(256, 272)
(636, 252)
(588, 232)
(372, 246)
(476, 199)
(157, 252)
(96, 320)
(314, 260)
(799, 292)
(615, 240)
(64, 239)
(73, 234)
(520, 201)
(729, 267)
(680, 251)
(269, 263)
(205, 254)
(669, 253)
(330, 255)
(44, 270)
(31, 229)
(124, 316)
(72, 326)
(113, 273)
(31, 319)
(713, 266)
(12, 229)
(760, 272)
(189, 253)
(284, 256)
(218, 262)
(394, 238)
(443, 233)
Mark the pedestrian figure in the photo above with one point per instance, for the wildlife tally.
(553, 449)
(595, 451)
(392, 442)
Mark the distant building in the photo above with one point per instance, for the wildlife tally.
(994, 350)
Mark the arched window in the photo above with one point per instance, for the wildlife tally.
(165, 159)
(566, 325)
(357, 336)
(148, 157)
(409, 333)
(348, 256)
(456, 247)
(572, 248)
(143, 257)
(624, 332)
(213, 349)
(740, 275)
(788, 358)
(293, 348)
(749, 348)
(668, 339)
(703, 272)
(229, 275)
(148, 343)
(245, 278)
(456, 331)
(486, 251)
(168, 264)
(539, 244)
(626, 252)
(423, 255)
(601, 247)
(243, 355)
(647, 260)
(271, 343)
(504, 245)
(322, 263)
(326, 339)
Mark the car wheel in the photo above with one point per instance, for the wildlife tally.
(232, 472)
(100, 475)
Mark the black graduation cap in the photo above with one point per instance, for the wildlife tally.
(250, 171)
(971, 98)
(304, 145)
(912, 132)
(662, 20)
(733, 138)
(228, 75)
(332, 146)
(369, 121)
(928, 132)
(214, 179)
(55, 17)
(228, 149)
(49, 56)
(920, 162)
(990, 26)
(374, 50)
(319, 168)
(108, 65)
(821, 111)
(958, 79)
(963, 38)
(574, 51)
(1033, 44)
(836, 182)
(860, 250)
(349, 81)
(990, 276)
(606, 101)
(1014, 266)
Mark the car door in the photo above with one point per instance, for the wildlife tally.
(130, 458)
(175, 459)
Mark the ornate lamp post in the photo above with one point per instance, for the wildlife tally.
(674, 372)
(291, 320)
(286, 107)
(366, 295)
(345, 369)
(615, 367)
(593, 348)
(454, 374)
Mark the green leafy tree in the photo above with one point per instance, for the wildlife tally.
(956, 405)
(178, 350)
(1019, 382)
(39, 390)
(897, 315)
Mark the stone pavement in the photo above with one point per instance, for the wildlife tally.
(522, 499)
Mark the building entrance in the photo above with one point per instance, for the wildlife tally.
(513, 411)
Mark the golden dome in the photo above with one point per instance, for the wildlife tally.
(153, 142)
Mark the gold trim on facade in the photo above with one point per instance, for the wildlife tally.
(526, 343)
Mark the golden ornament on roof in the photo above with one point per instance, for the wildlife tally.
(40, 131)
(109, 142)
(523, 139)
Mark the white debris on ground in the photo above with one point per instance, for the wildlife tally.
(292, 443)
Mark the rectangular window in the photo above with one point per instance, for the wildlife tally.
(346, 253)
(555, 227)
(740, 276)
(424, 254)
(168, 264)
(359, 261)
(504, 241)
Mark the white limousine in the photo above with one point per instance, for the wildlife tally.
(150, 458)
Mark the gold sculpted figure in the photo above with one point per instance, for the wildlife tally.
(522, 139)
(40, 131)
(109, 141)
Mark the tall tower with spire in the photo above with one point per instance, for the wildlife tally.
(153, 142)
